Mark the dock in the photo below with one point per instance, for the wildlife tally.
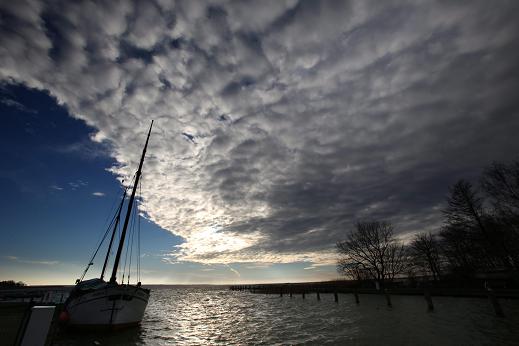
(30, 315)
(346, 288)
(337, 287)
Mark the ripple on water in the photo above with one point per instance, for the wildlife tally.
(216, 316)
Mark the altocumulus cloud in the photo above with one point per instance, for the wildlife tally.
(280, 123)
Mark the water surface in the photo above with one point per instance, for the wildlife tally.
(215, 315)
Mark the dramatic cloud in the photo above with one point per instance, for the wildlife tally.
(280, 123)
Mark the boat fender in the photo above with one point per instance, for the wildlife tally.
(63, 316)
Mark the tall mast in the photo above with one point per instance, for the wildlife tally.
(113, 233)
(129, 211)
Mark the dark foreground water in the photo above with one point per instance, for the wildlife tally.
(209, 316)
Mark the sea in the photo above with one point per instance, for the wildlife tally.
(184, 315)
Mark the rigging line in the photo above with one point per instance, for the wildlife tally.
(132, 222)
(139, 239)
(119, 238)
(126, 257)
(113, 231)
(112, 209)
(132, 232)
(91, 262)
(118, 234)
(134, 226)
(135, 211)
(104, 236)
(139, 248)
(135, 222)
(119, 228)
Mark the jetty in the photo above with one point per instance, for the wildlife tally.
(349, 288)
(345, 288)
(30, 315)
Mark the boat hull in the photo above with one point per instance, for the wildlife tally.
(117, 306)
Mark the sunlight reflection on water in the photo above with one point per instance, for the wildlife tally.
(209, 316)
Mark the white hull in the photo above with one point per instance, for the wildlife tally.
(116, 305)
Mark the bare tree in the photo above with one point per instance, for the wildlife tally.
(465, 215)
(372, 250)
(397, 262)
(425, 253)
(501, 183)
(352, 270)
(461, 250)
(464, 207)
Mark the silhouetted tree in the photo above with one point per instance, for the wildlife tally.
(465, 215)
(11, 284)
(372, 250)
(352, 270)
(425, 254)
(464, 207)
(480, 233)
(462, 250)
(501, 183)
(397, 261)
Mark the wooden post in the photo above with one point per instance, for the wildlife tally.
(290, 294)
(388, 299)
(357, 301)
(336, 297)
(428, 299)
(495, 303)
(318, 296)
(281, 293)
(303, 295)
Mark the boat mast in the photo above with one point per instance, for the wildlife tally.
(128, 212)
(113, 233)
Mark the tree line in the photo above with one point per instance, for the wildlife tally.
(479, 235)
(11, 284)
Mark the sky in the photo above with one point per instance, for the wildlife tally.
(278, 126)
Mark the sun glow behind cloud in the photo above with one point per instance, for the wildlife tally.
(203, 246)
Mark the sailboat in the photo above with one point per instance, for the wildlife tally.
(99, 303)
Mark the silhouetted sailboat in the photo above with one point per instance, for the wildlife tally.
(95, 302)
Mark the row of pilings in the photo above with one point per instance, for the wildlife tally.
(308, 290)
